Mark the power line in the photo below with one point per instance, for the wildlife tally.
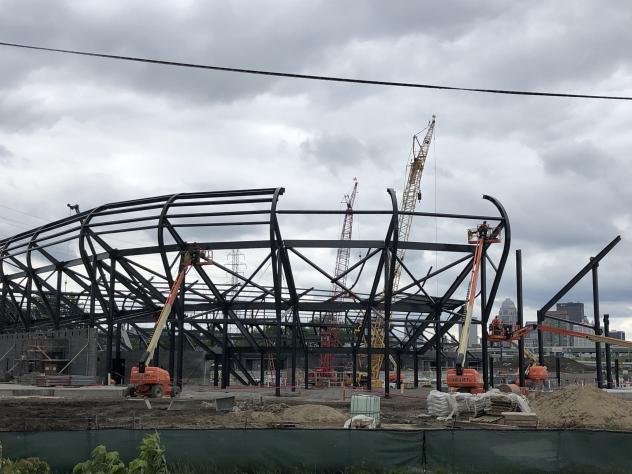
(317, 77)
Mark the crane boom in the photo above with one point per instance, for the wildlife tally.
(412, 192)
(329, 336)
(410, 196)
(343, 254)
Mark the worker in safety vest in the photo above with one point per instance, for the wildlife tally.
(496, 326)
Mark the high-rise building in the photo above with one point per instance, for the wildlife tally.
(508, 312)
(618, 335)
(575, 311)
(553, 339)
(580, 341)
(531, 339)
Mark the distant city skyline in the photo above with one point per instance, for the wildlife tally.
(572, 311)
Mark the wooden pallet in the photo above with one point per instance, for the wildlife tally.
(523, 420)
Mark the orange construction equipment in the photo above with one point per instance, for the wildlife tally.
(535, 372)
(155, 381)
(463, 379)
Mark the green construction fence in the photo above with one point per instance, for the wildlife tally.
(302, 450)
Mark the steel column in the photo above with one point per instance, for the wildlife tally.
(595, 288)
(606, 331)
(616, 371)
(262, 368)
(294, 341)
(540, 316)
(306, 370)
(415, 369)
(276, 278)
(354, 367)
(58, 298)
(172, 350)
(92, 270)
(389, 281)
(111, 313)
(484, 348)
(180, 356)
(3, 306)
(369, 348)
(225, 355)
(438, 354)
(520, 317)
(491, 372)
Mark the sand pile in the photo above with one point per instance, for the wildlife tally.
(582, 407)
(313, 414)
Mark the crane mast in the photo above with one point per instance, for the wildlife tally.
(410, 196)
(343, 254)
(412, 192)
(329, 336)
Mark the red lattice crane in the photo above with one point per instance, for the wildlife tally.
(330, 336)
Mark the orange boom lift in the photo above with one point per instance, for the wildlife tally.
(154, 381)
(537, 373)
(463, 379)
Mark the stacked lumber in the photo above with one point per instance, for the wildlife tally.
(523, 420)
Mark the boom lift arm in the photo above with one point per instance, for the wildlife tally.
(188, 259)
(522, 332)
(461, 378)
(471, 296)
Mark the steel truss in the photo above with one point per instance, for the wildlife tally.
(75, 272)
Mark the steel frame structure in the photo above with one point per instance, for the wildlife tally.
(114, 286)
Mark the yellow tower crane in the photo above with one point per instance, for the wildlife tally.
(410, 197)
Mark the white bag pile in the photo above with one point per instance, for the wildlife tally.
(445, 406)
(441, 404)
(470, 405)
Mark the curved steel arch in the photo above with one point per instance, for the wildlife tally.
(278, 314)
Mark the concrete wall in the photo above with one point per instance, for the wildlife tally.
(79, 345)
(193, 364)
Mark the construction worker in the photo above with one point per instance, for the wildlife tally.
(482, 230)
(496, 326)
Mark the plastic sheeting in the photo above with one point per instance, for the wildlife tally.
(337, 450)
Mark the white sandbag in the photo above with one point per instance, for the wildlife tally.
(521, 401)
(441, 405)
(360, 421)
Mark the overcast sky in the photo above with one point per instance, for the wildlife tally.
(76, 129)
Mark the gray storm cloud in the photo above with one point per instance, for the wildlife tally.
(87, 130)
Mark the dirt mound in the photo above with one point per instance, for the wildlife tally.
(313, 414)
(582, 407)
(251, 418)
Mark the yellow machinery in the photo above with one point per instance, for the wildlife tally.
(410, 196)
